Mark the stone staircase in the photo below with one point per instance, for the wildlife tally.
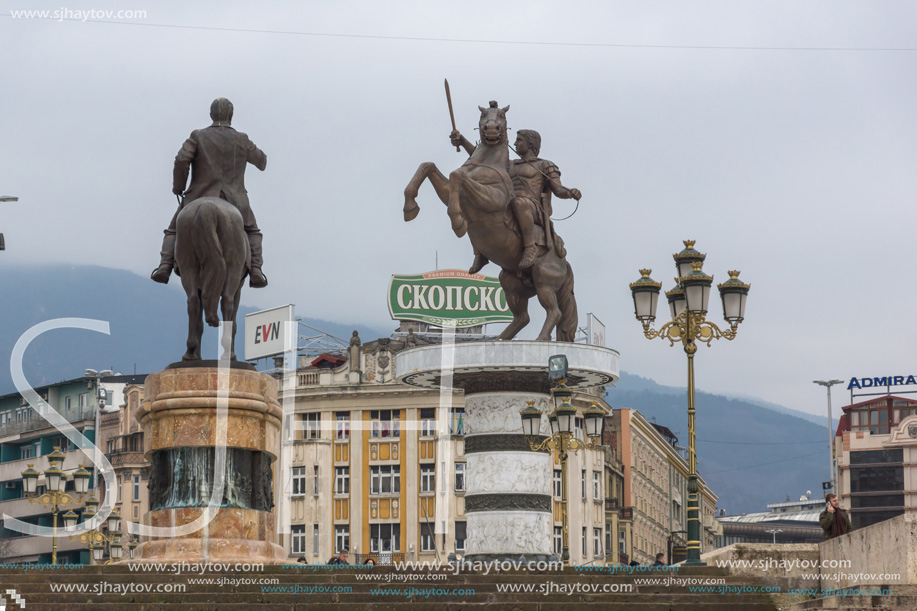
(318, 590)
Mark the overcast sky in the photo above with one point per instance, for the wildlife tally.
(796, 167)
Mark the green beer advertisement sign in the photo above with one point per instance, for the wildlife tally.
(448, 297)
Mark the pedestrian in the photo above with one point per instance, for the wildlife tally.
(659, 559)
(834, 520)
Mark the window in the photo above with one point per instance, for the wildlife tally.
(385, 423)
(342, 480)
(111, 446)
(596, 485)
(460, 536)
(622, 541)
(299, 481)
(315, 480)
(134, 443)
(341, 539)
(119, 488)
(583, 478)
(558, 540)
(27, 451)
(457, 422)
(608, 544)
(343, 424)
(578, 429)
(427, 478)
(308, 426)
(459, 477)
(585, 543)
(384, 479)
(315, 539)
(596, 542)
(427, 422)
(384, 538)
(558, 483)
(298, 539)
(84, 399)
(67, 403)
(136, 487)
(427, 538)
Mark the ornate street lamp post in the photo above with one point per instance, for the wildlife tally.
(56, 497)
(96, 540)
(688, 307)
(562, 439)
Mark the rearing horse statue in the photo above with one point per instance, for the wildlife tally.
(477, 196)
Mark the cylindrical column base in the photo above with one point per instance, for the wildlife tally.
(508, 503)
(180, 426)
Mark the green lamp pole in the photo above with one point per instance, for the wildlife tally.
(688, 307)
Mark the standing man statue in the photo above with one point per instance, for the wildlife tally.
(215, 157)
(534, 180)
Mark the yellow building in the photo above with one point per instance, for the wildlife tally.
(379, 467)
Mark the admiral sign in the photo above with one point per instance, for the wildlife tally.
(448, 297)
(881, 381)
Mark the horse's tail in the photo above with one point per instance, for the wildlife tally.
(209, 250)
(569, 317)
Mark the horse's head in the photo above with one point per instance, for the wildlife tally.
(493, 124)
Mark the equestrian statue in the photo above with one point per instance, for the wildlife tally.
(213, 241)
(505, 208)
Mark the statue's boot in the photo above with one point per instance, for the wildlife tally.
(528, 255)
(167, 260)
(256, 278)
(479, 262)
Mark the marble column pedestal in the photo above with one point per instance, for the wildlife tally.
(508, 502)
(179, 422)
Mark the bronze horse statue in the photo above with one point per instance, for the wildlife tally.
(212, 256)
(476, 196)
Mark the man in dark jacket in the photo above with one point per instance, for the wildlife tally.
(834, 520)
(216, 157)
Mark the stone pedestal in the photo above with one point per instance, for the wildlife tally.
(508, 501)
(179, 421)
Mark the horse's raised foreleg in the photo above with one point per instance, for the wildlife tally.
(517, 298)
(457, 180)
(426, 170)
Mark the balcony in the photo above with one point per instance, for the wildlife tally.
(120, 459)
(36, 422)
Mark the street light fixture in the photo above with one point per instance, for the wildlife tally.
(774, 532)
(688, 304)
(97, 433)
(96, 540)
(56, 497)
(831, 471)
(562, 440)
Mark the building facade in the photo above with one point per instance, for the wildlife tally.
(876, 453)
(378, 467)
(656, 490)
(26, 438)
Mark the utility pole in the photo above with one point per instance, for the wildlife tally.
(828, 384)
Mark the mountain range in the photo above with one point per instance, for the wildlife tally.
(750, 452)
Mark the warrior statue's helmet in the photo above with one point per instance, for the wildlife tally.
(221, 111)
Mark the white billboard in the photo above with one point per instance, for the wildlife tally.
(265, 332)
(595, 331)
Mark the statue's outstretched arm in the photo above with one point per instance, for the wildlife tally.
(458, 139)
(557, 188)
